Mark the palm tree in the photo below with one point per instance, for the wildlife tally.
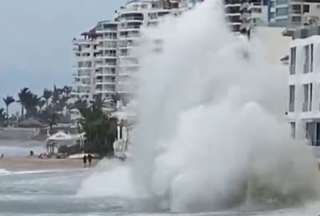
(100, 129)
(32, 104)
(46, 95)
(52, 119)
(8, 100)
(2, 116)
(28, 101)
(56, 94)
(41, 104)
(67, 90)
(23, 95)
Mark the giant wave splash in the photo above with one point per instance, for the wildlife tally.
(211, 130)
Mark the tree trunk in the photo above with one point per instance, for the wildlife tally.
(7, 106)
(22, 112)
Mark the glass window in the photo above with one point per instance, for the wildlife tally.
(282, 11)
(293, 129)
(291, 98)
(281, 2)
(293, 60)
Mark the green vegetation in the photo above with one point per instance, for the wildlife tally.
(2, 117)
(100, 128)
(48, 108)
(8, 100)
(53, 107)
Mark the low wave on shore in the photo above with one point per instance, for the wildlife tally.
(20, 148)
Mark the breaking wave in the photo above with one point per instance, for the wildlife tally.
(211, 130)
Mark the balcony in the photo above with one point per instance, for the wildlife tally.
(105, 82)
(232, 2)
(130, 16)
(296, 11)
(99, 90)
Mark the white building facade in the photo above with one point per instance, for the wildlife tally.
(105, 63)
(304, 13)
(304, 86)
(243, 15)
(84, 49)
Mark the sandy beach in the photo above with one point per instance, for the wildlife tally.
(16, 158)
(21, 163)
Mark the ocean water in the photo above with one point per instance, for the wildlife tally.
(21, 148)
(55, 193)
(210, 123)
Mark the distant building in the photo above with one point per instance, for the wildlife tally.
(104, 61)
(84, 50)
(278, 12)
(305, 12)
(304, 85)
(294, 14)
(243, 15)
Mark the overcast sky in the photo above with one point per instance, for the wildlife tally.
(36, 40)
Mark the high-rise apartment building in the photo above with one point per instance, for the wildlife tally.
(243, 15)
(294, 14)
(304, 12)
(304, 85)
(278, 12)
(105, 63)
(84, 50)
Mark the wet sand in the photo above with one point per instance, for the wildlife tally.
(22, 164)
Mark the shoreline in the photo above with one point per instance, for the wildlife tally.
(35, 164)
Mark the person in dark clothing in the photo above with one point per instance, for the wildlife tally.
(89, 159)
(84, 160)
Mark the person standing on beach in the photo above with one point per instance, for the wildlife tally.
(84, 160)
(89, 159)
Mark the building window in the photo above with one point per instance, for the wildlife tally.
(296, 9)
(293, 129)
(296, 19)
(281, 11)
(312, 133)
(310, 97)
(307, 59)
(306, 8)
(291, 98)
(281, 2)
(311, 58)
(307, 98)
(271, 15)
(293, 52)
